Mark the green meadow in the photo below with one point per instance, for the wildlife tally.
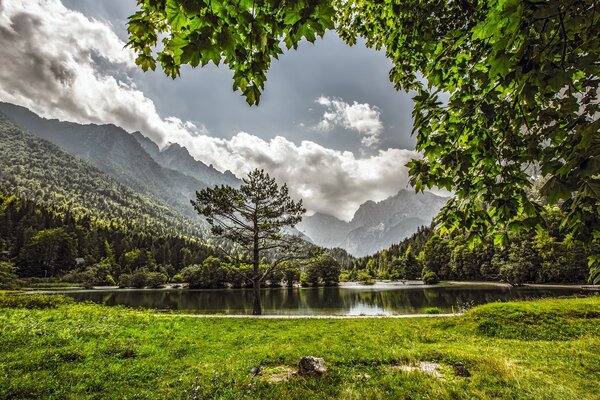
(53, 348)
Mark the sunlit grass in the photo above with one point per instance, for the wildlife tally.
(528, 350)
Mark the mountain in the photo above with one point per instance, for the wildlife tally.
(35, 169)
(178, 158)
(171, 177)
(374, 226)
(324, 230)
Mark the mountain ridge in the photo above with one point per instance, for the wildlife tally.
(37, 169)
(121, 155)
(375, 225)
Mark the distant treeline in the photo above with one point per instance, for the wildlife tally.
(44, 242)
(544, 255)
(39, 242)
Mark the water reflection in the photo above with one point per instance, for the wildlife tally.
(319, 301)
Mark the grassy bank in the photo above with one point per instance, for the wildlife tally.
(530, 350)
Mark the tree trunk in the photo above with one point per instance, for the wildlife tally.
(256, 306)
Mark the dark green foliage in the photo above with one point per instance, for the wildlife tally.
(45, 242)
(58, 215)
(548, 255)
(245, 35)
(8, 276)
(429, 277)
(34, 301)
(291, 274)
(51, 250)
(155, 279)
(210, 274)
(323, 270)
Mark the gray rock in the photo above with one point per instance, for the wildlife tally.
(461, 370)
(311, 366)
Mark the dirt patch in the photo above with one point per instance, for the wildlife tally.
(423, 366)
(279, 373)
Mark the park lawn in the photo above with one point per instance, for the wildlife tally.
(546, 349)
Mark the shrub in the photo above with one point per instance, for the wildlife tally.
(432, 310)
(155, 279)
(365, 278)
(138, 278)
(430, 277)
(177, 278)
(125, 281)
(345, 276)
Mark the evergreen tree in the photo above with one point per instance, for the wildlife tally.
(254, 217)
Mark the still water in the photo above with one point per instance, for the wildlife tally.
(346, 300)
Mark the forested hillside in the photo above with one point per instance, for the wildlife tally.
(35, 169)
(45, 241)
(546, 255)
(137, 163)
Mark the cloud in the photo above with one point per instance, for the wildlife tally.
(329, 181)
(62, 64)
(363, 118)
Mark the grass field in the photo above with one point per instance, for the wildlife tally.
(52, 348)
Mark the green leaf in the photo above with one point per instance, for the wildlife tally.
(175, 15)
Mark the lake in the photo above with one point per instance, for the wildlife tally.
(380, 299)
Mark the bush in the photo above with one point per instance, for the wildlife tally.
(430, 277)
(304, 282)
(35, 301)
(177, 278)
(432, 310)
(125, 280)
(155, 279)
(365, 278)
(345, 276)
(210, 274)
(138, 278)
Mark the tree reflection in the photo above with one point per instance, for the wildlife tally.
(315, 301)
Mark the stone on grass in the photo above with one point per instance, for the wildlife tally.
(311, 366)
(461, 370)
(423, 366)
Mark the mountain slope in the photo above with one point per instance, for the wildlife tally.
(36, 169)
(325, 230)
(178, 158)
(120, 155)
(375, 226)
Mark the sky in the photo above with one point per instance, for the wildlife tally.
(330, 123)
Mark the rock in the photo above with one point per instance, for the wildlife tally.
(311, 366)
(255, 371)
(423, 366)
(461, 370)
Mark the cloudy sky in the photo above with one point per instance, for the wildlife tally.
(329, 123)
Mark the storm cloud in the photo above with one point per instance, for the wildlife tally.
(66, 65)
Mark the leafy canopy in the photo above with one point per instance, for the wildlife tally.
(244, 34)
(505, 90)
